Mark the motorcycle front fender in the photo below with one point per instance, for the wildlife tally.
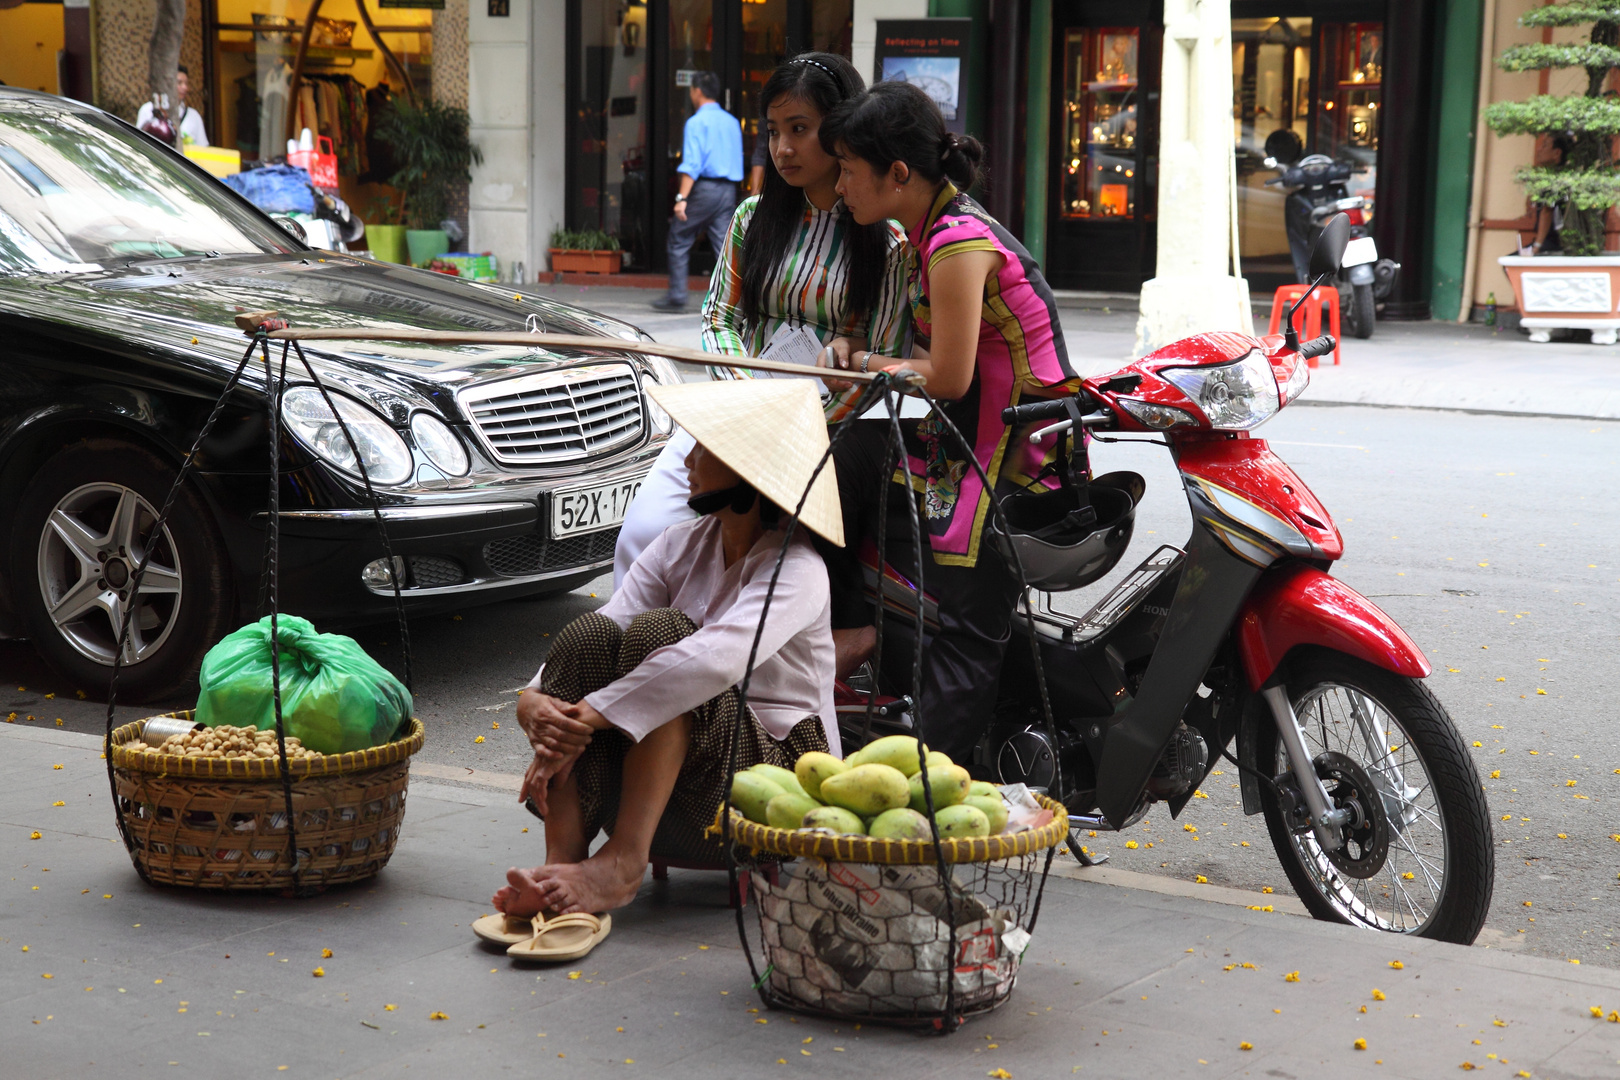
(1296, 604)
(1361, 274)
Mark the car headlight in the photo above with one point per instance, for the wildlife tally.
(662, 369)
(1234, 397)
(387, 458)
(435, 439)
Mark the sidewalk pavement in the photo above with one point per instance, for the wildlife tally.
(1425, 365)
(120, 979)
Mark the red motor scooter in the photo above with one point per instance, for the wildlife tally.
(1239, 638)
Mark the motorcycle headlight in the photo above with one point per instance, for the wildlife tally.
(387, 458)
(662, 370)
(1234, 397)
(435, 439)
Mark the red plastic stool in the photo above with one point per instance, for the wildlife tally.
(1308, 319)
(739, 898)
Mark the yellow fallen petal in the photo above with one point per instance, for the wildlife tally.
(1378, 995)
(1496, 774)
(1468, 1066)
(1478, 743)
(1569, 783)
(573, 974)
(1360, 1044)
(1499, 1022)
(1397, 965)
(437, 1016)
(319, 973)
(1596, 1010)
(1130, 845)
(1245, 1046)
(1292, 976)
(999, 1074)
(479, 739)
(58, 802)
(34, 835)
(1201, 879)
(1267, 890)
(1573, 960)
(326, 954)
(1408, 876)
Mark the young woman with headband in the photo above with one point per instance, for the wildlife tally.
(795, 265)
(986, 332)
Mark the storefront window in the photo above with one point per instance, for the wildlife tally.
(608, 166)
(345, 81)
(1299, 88)
(1097, 172)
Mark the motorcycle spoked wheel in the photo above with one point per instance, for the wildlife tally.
(1437, 874)
(1363, 311)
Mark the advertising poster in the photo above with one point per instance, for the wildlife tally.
(932, 54)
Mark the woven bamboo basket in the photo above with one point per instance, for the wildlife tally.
(802, 843)
(221, 823)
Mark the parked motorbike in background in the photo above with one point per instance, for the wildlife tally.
(1239, 638)
(1317, 190)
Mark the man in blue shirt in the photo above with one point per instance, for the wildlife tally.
(711, 168)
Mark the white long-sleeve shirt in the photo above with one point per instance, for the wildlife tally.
(685, 569)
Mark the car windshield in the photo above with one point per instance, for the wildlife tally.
(80, 192)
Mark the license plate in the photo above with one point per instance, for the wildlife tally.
(591, 509)
(1363, 249)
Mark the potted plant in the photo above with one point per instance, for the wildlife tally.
(386, 236)
(587, 251)
(1574, 177)
(433, 150)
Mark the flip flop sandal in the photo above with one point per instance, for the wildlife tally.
(502, 929)
(565, 938)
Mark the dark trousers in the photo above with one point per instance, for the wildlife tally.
(961, 660)
(708, 209)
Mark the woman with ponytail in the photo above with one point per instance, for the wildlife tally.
(796, 270)
(986, 336)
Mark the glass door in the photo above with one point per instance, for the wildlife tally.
(1271, 112)
(607, 169)
(1102, 191)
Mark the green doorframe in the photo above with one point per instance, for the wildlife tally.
(1037, 127)
(979, 12)
(1462, 23)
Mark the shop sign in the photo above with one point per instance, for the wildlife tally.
(683, 76)
(932, 54)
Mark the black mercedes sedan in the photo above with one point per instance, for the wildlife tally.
(502, 472)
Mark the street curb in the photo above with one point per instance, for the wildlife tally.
(1318, 403)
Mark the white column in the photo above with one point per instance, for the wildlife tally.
(863, 34)
(498, 93)
(1195, 289)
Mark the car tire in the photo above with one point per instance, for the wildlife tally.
(76, 539)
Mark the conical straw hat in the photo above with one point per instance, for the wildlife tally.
(770, 432)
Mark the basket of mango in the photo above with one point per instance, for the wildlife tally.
(872, 806)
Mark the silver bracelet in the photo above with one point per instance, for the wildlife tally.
(867, 359)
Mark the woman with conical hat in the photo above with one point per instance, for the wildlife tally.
(631, 717)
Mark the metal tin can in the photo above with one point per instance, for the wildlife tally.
(156, 731)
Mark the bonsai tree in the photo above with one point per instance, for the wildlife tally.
(1582, 126)
(431, 145)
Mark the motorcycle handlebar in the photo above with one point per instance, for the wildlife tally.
(1317, 346)
(1056, 409)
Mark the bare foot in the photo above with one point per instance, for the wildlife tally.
(602, 882)
(522, 895)
(852, 648)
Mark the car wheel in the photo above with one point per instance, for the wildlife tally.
(82, 527)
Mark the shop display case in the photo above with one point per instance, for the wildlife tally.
(1097, 171)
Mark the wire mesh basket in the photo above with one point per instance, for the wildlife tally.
(889, 944)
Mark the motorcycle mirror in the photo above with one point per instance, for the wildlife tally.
(1328, 250)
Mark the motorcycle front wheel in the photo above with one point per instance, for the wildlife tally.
(1418, 855)
(1362, 312)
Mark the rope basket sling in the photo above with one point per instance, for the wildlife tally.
(295, 825)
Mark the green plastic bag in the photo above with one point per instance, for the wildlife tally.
(334, 697)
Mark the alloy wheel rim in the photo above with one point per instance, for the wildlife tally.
(1406, 892)
(89, 548)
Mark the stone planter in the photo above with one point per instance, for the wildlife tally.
(585, 262)
(1576, 292)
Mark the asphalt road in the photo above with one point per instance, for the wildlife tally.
(1489, 538)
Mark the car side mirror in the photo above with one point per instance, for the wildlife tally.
(1328, 250)
(297, 231)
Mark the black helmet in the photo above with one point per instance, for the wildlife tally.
(1059, 547)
